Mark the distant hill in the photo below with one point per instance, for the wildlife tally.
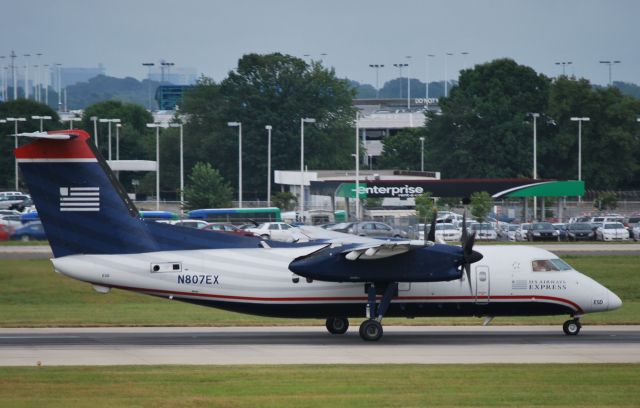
(102, 88)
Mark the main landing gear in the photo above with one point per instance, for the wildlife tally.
(572, 327)
(370, 329)
(337, 325)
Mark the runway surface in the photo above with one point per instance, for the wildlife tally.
(313, 345)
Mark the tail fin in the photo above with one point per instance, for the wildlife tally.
(83, 207)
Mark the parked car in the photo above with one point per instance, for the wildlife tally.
(562, 230)
(189, 223)
(632, 222)
(636, 232)
(226, 227)
(522, 231)
(341, 227)
(483, 230)
(580, 231)
(511, 232)
(376, 229)
(612, 231)
(29, 232)
(542, 231)
(11, 221)
(447, 232)
(278, 231)
(14, 202)
(4, 232)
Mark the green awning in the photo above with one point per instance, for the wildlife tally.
(570, 188)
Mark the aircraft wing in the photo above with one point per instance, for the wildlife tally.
(385, 249)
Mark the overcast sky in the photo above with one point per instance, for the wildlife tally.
(210, 35)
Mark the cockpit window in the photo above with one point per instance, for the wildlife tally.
(550, 265)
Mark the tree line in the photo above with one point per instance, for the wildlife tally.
(483, 130)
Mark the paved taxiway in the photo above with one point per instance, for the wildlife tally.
(313, 345)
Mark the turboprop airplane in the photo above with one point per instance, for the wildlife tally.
(98, 237)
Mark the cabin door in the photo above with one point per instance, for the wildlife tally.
(482, 284)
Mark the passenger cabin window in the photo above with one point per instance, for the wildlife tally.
(550, 265)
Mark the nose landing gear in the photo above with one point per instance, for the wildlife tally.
(572, 327)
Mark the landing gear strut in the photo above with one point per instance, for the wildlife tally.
(337, 325)
(371, 329)
(572, 327)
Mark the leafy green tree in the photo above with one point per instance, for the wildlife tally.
(609, 140)
(137, 142)
(481, 131)
(20, 108)
(402, 151)
(284, 200)
(207, 188)
(480, 205)
(425, 206)
(606, 200)
(276, 90)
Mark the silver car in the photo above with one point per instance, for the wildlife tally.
(376, 229)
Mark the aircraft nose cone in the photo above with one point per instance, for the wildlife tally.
(614, 301)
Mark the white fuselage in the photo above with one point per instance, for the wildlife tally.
(257, 280)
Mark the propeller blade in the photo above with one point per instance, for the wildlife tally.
(467, 269)
(464, 228)
(432, 231)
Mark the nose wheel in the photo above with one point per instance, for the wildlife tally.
(571, 327)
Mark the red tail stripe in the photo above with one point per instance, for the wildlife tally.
(75, 148)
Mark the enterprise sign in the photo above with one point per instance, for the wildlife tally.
(396, 191)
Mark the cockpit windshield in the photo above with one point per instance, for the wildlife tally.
(550, 265)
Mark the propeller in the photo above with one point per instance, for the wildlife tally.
(469, 256)
(431, 235)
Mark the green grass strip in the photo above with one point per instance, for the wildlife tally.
(602, 385)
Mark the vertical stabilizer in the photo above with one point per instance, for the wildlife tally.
(83, 207)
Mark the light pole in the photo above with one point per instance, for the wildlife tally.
(157, 126)
(15, 137)
(302, 122)
(610, 63)
(408, 57)
(118, 126)
(71, 120)
(426, 94)
(109, 121)
(94, 119)
(535, 116)
(239, 126)
(26, 76)
(268, 127)
(148, 65)
(446, 83)
(181, 126)
(41, 118)
(377, 67)
(357, 156)
(580, 120)
(421, 153)
(399, 66)
(564, 64)
(59, 89)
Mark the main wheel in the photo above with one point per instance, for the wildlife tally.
(371, 330)
(337, 325)
(571, 327)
